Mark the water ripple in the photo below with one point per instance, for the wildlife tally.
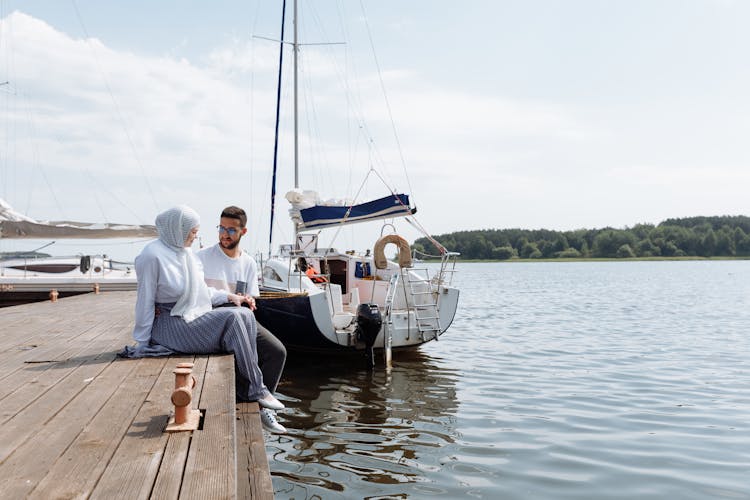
(574, 380)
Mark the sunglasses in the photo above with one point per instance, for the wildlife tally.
(229, 230)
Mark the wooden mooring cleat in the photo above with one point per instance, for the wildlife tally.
(185, 418)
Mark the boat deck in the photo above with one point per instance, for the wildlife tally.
(79, 422)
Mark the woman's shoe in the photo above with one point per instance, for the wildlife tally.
(268, 419)
(270, 402)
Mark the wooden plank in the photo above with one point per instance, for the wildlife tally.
(169, 480)
(82, 425)
(253, 474)
(48, 324)
(26, 466)
(38, 326)
(211, 467)
(46, 399)
(30, 317)
(78, 469)
(41, 390)
(14, 369)
(42, 375)
(41, 318)
(63, 349)
(142, 455)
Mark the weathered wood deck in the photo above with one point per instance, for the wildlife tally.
(78, 422)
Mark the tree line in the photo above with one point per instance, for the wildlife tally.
(719, 236)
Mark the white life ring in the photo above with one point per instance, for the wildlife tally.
(404, 251)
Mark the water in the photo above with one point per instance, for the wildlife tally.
(556, 380)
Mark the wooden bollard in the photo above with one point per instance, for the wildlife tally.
(96, 288)
(185, 418)
(53, 294)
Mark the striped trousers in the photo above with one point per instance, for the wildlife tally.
(226, 329)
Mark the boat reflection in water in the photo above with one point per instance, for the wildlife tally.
(356, 434)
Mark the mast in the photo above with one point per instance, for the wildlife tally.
(276, 135)
(295, 46)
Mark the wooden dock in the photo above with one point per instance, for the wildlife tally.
(78, 422)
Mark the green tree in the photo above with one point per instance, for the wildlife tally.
(738, 236)
(720, 235)
(646, 248)
(504, 253)
(560, 244)
(608, 242)
(585, 252)
(725, 245)
(642, 231)
(743, 247)
(528, 250)
(625, 252)
(570, 253)
(707, 245)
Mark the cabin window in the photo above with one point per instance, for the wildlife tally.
(270, 274)
(46, 268)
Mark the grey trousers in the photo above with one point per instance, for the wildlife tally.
(271, 357)
(228, 329)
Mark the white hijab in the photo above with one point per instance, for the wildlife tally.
(174, 226)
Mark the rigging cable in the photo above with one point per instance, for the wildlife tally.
(251, 98)
(117, 107)
(385, 96)
(35, 158)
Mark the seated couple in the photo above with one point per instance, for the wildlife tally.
(175, 312)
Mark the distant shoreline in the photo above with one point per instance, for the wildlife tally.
(593, 259)
(597, 259)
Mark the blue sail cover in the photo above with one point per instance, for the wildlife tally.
(321, 216)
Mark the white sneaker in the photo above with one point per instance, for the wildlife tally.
(270, 402)
(268, 419)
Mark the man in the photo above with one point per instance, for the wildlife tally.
(227, 267)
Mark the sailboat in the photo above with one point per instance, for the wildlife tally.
(321, 298)
(33, 276)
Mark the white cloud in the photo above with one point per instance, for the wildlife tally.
(176, 123)
(117, 115)
(201, 132)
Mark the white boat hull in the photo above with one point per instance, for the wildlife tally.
(31, 280)
(309, 316)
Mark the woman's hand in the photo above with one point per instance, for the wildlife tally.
(238, 300)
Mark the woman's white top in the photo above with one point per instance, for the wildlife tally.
(162, 279)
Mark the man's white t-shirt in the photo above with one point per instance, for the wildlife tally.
(222, 272)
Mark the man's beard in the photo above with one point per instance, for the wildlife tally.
(231, 246)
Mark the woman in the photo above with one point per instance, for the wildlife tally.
(174, 307)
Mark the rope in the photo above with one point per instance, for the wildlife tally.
(435, 242)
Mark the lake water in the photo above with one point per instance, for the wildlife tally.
(556, 380)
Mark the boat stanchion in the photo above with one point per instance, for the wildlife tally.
(53, 294)
(387, 351)
(185, 418)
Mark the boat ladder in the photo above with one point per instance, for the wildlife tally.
(425, 303)
(388, 319)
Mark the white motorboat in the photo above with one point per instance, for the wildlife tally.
(30, 277)
(25, 279)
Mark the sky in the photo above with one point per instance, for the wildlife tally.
(491, 114)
